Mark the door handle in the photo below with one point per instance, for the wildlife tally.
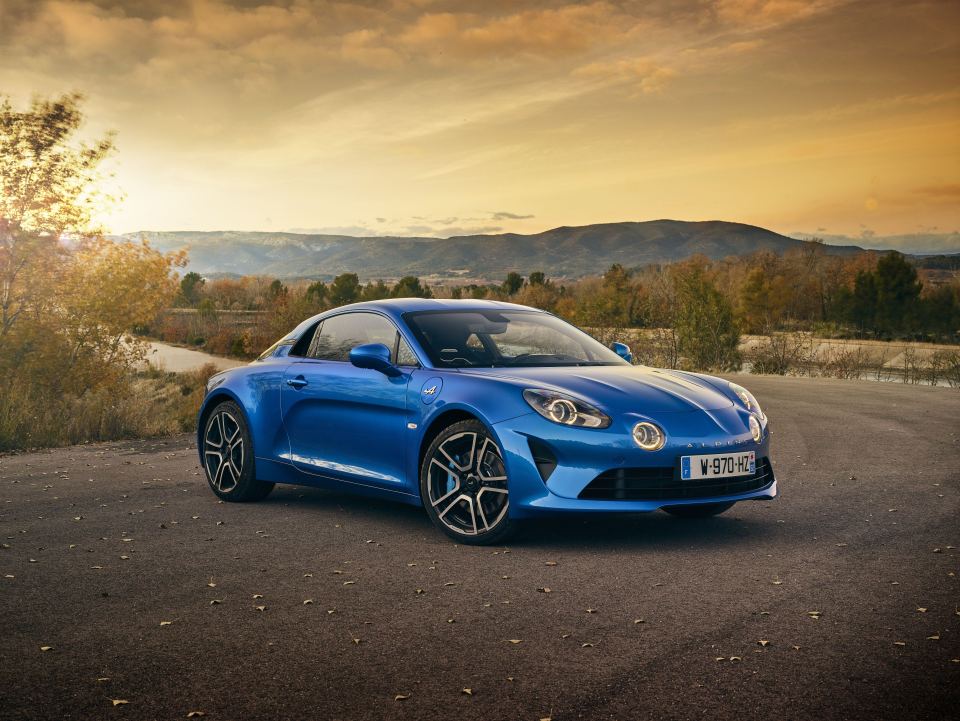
(298, 382)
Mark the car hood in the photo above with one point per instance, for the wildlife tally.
(620, 388)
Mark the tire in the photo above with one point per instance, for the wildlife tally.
(464, 487)
(228, 461)
(698, 510)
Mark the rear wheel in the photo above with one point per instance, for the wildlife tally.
(228, 456)
(463, 485)
(698, 510)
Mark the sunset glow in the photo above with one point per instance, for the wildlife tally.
(426, 117)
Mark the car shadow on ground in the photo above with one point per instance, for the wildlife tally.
(741, 525)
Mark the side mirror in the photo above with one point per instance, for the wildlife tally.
(375, 356)
(622, 350)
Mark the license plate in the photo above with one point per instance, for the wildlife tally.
(720, 465)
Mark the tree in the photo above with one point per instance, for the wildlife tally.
(190, 287)
(277, 290)
(409, 287)
(707, 334)
(862, 302)
(512, 283)
(898, 291)
(537, 277)
(69, 298)
(317, 293)
(344, 289)
(47, 191)
(375, 291)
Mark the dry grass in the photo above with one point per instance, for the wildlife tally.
(151, 403)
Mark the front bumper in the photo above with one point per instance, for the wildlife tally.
(581, 455)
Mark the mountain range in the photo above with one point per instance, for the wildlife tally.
(564, 252)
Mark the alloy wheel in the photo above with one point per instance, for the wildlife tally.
(223, 451)
(467, 483)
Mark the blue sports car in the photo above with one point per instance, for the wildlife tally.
(486, 413)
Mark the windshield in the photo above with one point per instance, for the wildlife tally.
(480, 338)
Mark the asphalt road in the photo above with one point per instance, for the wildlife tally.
(838, 600)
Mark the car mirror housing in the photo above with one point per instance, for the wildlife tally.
(375, 356)
(622, 350)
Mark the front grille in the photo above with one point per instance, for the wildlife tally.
(664, 484)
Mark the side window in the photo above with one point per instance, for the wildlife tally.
(405, 355)
(342, 332)
(302, 346)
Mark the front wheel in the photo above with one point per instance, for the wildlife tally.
(463, 485)
(698, 510)
(228, 456)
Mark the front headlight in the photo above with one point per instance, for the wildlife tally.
(565, 410)
(746, 397)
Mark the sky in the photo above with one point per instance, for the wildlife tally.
(434, 117)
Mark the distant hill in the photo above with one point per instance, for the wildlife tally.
(561, 252)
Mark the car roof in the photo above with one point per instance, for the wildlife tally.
(406, 305)
(396, 307)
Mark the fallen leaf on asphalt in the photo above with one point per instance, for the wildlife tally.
(261, 608)
(211, 585)
(419, 591)
(338, 572)
(356, 641)
(308, 602)
(814, 614)
(450, 583)
(195, 714)
(921, 610)
(401, 697)
(349, 583)
(550, 563)
(763, 642)
(934, 637)
(777, 583)
(796, 648)
(638, 620)
(467, 691)
(165, 623)
(899, 643)
(591, 610)
(937, 550)
(46, 648)
(586, 645)
(545, 589)
(515, 640)
(257, 595)
(119, 701)
(215, 602)
(736, 658)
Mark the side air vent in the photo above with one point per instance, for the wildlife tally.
(543, 456)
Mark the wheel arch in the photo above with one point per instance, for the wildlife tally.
(209, 403)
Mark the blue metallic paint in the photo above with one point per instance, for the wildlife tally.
(361, 429)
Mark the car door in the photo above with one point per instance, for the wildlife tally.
(345, 422)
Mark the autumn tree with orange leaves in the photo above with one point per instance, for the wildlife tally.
(69, 298)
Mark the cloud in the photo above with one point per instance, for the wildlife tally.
(642, 74)
(504, 215)
(568, 29)
(948, 192)
(767, 13)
